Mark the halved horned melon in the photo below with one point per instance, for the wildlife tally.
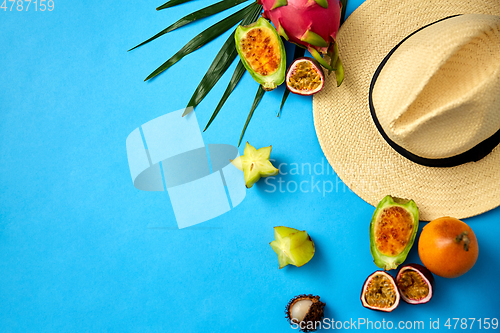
(262, 53)
(393, 229)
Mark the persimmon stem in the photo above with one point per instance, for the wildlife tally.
(463, 237)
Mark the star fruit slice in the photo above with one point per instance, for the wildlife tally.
(292, 246)
(255, 164)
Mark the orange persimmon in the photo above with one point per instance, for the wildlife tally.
(448, 247)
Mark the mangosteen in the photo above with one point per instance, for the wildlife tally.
(305, 311)
(415, 283)
(380, 292)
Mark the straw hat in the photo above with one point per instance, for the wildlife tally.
(418, 114)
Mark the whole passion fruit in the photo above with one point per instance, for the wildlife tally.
(305, 77)
(262, 53)
(304, 312)
(393, 229)
(415, 284)
(380, 292)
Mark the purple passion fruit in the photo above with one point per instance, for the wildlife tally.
(305, 77)
(262, 53)
(415, 284)
(380, 292)
(304, 311)
(393, 229)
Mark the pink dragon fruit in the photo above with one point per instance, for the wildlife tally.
(312, 24)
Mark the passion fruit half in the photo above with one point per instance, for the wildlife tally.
(380, 292)
(393, 229)
(305, 77)
(262, 53)
(415, 284)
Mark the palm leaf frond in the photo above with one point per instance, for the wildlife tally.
(238, 73)
(221, 63)
(299, 52)
(344, 8)
(219, 66)
(258, 97)
(203, 38)
(199, 14)
(171, 3)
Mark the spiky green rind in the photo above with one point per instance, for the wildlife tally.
(268, 82)
(337, 64)
(314, 39)
(282, 32)
(280, 3)
(316, 55)
(392, 262)
(339, 72)
(322, 3)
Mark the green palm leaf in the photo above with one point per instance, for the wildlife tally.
(203, 38)
(344, 8)
(171, 3)
(220, 64)
(258, 97)
(299, 52)
(199, 14)
(238, 73)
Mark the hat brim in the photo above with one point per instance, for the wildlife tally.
(350, 140)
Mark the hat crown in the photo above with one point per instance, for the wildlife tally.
(438, 95)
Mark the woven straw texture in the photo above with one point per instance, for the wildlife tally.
(351, 142)
(437, 96)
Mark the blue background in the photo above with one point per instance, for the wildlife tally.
(82, 250)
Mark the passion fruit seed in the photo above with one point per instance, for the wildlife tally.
(413, 286)
(305, 77)
(380, 292)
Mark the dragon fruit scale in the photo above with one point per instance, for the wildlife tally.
(312, 24)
